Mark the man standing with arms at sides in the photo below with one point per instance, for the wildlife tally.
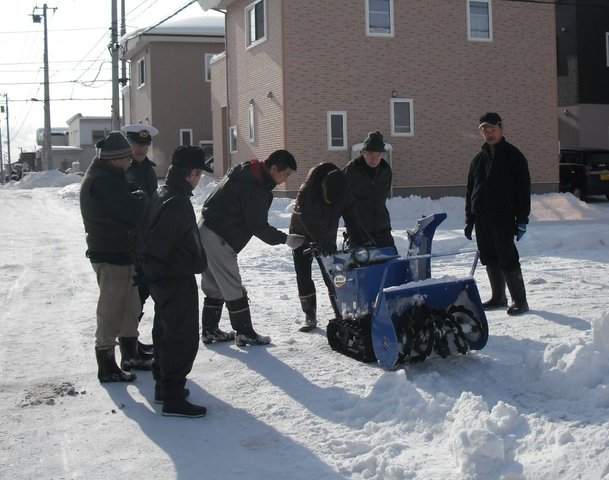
(498, 204)
(369, 177)
(234, 212)
(141, 173)
(111, 213)
(171, 256)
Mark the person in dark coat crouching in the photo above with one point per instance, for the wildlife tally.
(369, 177)
(234, 212)
(111, 213)
(172, 254)
(498, 204)
(322, 200)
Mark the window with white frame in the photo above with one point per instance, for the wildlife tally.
(379, 17)
(337, 130)
(607, 46)
(185, 136)
(141, 72)
(208, 57)
(232, 138)
(250, 122)
(479, 20)
(255, 22)
(402, 119)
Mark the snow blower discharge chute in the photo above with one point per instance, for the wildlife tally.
(388, 308)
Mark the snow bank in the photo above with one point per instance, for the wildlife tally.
(48, 178)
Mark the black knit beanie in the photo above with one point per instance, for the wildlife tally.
(374, 142)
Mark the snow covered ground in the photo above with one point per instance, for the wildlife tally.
(533, 404)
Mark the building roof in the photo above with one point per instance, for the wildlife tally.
(205, 27)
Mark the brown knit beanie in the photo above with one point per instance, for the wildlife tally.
(114, 146)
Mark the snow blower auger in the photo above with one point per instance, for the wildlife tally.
(389, 308)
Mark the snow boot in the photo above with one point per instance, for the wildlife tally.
(210, 319)
(183, 408)
(515, 283)
(130, 357)
(241, 321)
(309, 307)
(108, 370)
(145, 350)
(497, 281)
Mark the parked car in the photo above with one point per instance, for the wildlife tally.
(584, 172)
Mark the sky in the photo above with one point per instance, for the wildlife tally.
(79, 61)
(532, 405)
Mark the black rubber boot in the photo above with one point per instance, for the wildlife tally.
(241, 321)
(130, 357)
(107, 369)
(497, 281)
(210, 319)
(515, 284)
(309, 307)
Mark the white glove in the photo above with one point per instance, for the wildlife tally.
(294, 241)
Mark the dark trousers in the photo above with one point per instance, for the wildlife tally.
(495, 239)
(303, 267)
(175, 333)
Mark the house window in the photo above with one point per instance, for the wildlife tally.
(141, 73)
(402, 121)
(250, 122)
(337, 130)
(607, 46)
(479, 20)
(185, 136)
(255, 23)
(379, 17)
(232, 140)
(208, 57)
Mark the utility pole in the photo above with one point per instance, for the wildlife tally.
(8, 135)
(123, 79)
(1, 160)
(113, 47)
(48, 145)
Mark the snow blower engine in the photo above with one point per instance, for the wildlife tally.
(388, 308)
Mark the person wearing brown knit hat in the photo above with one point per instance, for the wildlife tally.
(369, 177)
(172, 254)
(111, 212)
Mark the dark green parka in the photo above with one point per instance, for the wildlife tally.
(370, 188)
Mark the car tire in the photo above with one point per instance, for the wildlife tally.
(579, 193)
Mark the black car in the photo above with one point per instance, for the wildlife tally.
(584, 172)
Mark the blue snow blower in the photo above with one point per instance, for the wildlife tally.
(389, 308)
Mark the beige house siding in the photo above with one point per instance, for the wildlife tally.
(319, 59)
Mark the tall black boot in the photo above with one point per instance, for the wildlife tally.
(515, 284)
(309, 307)
(210, 319)
(241, 321)
(107, 369)
(130, 357)
(497, 281)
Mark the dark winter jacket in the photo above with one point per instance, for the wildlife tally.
(500, 186)
(143, 175)
(171, 243)
(370, 188)
(238, 208)
(110, 213)
(318, 220)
